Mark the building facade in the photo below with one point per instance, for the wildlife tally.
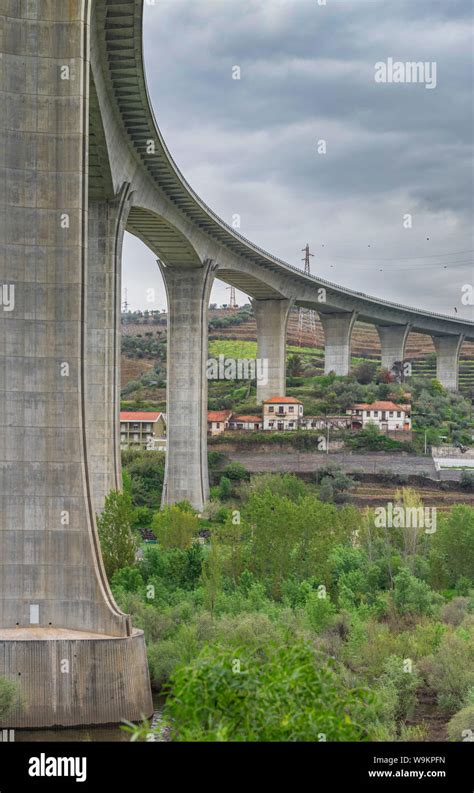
(218, 421)
(142, 430)
(282, 413)
(387, 416)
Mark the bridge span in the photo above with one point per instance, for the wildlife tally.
(83, 160)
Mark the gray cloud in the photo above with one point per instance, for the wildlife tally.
(250, 146)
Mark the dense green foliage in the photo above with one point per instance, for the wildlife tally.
(273, 614)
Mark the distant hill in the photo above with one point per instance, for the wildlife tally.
(239, 325)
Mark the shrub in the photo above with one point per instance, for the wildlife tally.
(9, 693)
(319, 611)
(454, 612)
(450, 671)
(175, 526)
(461, 726)
(403, 678)
(281, 694)
(412, 596)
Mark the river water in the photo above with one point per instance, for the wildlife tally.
(110, 732)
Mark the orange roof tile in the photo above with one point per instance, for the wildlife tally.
(218, 415)
(126, 415)
(282, 401)
(248, 418)
(378, 406)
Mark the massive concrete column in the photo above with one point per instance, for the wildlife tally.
(107, 219)
(186, 475)
(272, 320)
(55, 602)
(447, 360)
(337, 332)
(393, 340)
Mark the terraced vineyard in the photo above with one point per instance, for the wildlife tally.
(377, 494)
(365, 346)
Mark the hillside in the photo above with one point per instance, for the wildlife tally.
(365, 345)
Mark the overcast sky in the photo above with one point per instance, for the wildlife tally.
(250, 146)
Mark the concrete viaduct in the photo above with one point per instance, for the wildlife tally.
(82, 160)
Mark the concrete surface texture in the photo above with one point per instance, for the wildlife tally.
(55, 369)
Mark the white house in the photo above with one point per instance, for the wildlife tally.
(387, 416)
(282, 413)
(218, 421)
(139, 428)
(252, 423)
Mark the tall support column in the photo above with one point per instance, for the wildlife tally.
(272, 319)
(107, 219)
(337, 332)
(447, 360)
(57, 613)
(393, 340)
(186, 474)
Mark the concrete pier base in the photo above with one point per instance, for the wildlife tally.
(272, 318)
(393, 340)
(68, 677)
(447, 360)
(337, 332)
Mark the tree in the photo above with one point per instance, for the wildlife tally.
(117, 542)
(294, 365)
(176, 526)
(365, 372)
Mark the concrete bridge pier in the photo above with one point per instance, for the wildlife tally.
(272, 319)
(447, 360)
(337, 332)
(186, 474)
(393, 340)
(74, 655)
(106, 226)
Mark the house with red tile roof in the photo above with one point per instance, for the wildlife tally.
(142, 429)
(218, 421)
(387, 416)
(253, 423)
(282, 413)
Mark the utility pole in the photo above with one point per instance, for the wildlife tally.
(306, 316)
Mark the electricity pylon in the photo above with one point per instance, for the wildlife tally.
(306, 316)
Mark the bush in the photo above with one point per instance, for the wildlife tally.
(450, 671)
(175, 526)
(9, 693)
(319, 611)
(281, 694)
(403, 678)
(461, 726)
(412, 596)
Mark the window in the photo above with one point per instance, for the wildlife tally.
(399, 415)
(218, 425)
(135, 426)
(391, 414)
(240, 426)
(281, 409)
(291, 409)
(291, 425)
(270, 408)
